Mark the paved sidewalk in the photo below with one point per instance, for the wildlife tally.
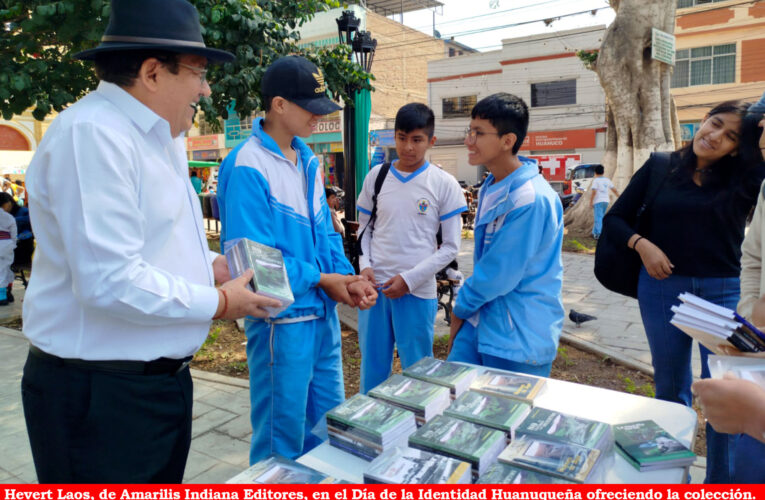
(221, 428)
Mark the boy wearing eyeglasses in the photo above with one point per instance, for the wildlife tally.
(400, 253)
(509, 313)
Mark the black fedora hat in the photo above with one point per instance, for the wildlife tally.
(171, 25)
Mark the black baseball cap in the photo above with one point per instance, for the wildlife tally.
(298, 80)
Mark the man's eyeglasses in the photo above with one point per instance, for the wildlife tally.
(472, 135)
(202, 72)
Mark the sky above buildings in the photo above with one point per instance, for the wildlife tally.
(483, 24)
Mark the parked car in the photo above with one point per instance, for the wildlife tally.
(581, 177)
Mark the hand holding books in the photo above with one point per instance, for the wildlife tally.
(237, 301)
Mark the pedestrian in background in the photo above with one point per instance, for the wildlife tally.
(8, 233)
(600, 187)
(691, 242)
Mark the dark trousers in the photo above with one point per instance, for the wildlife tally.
(90, 426)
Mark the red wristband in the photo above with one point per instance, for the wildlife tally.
(225, 304)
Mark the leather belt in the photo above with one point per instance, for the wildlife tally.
(159, 366)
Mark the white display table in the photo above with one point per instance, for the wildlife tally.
(575, 399)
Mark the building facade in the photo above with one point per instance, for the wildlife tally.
(566, 101)
(720, 55)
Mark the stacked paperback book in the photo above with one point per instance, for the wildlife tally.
(269, 273)
(460, 439)
(499, 473)
(279, 470)
(492, 411)
(647, 446)
(426, 400)
(366, 427)
(509, 385)
(715, 326)
(402, 465)
(556, 426)
(455, 376)
(567, 461)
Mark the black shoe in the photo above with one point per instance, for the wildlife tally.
(10, 297)
(4, 302)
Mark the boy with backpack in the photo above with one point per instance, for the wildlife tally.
(401, 207)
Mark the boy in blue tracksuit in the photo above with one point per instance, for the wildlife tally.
(270, 191)
(509, 313)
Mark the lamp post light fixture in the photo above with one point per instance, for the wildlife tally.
(363, 50)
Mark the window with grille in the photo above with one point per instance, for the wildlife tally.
(456, 107)
(705, 66)
(681, 4)
(553, 93)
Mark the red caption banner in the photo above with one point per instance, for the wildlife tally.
(382, 492)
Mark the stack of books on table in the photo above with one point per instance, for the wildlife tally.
(556, 426)
(366, 427)
(426, 400)
(508, 385)
(279, 470)
(647, 446)
(492, 411)
(455, 376)
(403, 465)
(499, 473)
(715, 326)
(568, 461)
(460, 439)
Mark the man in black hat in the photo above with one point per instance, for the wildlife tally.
(270, 190)
(123, 289)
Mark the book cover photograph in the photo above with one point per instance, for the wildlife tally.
(509, 384)
(565, 460)
(371, 415)
(269, 273)
(276, 469)
(424, 398)
(556, 426)
(404, 465)
(499, 473)
(646, 445)
(492, 411)
(453, 375)
(460, 439)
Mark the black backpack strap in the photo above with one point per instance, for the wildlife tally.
(378, 186)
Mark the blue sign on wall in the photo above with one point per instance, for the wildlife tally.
(232, 127)
(688, 130)
(385, 138)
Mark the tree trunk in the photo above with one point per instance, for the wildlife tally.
(637, 87)
(640, 111)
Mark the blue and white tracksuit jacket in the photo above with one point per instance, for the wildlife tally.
(513, 299)
(295, 358)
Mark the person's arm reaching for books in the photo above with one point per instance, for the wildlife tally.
(732, 405)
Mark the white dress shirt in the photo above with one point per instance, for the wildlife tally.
(122, 270)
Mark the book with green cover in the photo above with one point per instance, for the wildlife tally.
(270, 275)
(372, 416)
(557, 426)
(460, 439)
(564, 460)
(499, 473)
(276, 469)
(455, 376)
(492, 411)
(404, 465)
(424, 398)
(647, 446)
(508, 385)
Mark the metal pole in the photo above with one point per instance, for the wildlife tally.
(350, 161)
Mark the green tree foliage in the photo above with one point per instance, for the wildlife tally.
(38, 38)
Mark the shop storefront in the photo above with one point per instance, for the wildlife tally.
(326, 141)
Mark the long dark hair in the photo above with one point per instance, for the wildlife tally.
(732, 174)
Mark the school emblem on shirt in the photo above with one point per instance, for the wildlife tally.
(422, 206)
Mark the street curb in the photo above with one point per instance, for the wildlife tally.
(598, 350)
(219, 379)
